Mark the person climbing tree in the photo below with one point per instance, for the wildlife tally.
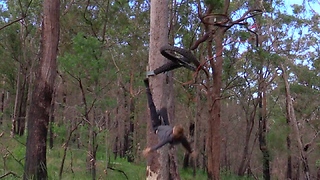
(160, 124)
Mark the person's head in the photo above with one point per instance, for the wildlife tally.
(177, 131)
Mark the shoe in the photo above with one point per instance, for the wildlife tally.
(150, 73)
(146, 82)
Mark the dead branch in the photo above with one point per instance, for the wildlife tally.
(8, 173)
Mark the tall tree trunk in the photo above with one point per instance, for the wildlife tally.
(51, 119)
(263, 127)
(1, 106)
(168, 95)
(292, 118)
(244, 165)
(160, 165)
(24, 69)
(130, 131)
(214, 92)
(16, 103)
(91, 153)
(35, 164)
(289, 158)
(120, 124)
(22, 111)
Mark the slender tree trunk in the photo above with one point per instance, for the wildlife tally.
(168, 95)
(22, 103)
(91, 153)
(35, 164)
(51, 121)
(1, 106)
(244, 165)
(263, 126)
(15, 109)
(129, 152)
(21, 120)
(292, 118)
(289, 158)
(24, 71)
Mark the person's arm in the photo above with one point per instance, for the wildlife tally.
(186, 144)
(160, 144)
(153, 148)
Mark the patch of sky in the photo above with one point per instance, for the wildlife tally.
(3, 5)
(310, 5)
(311, 8)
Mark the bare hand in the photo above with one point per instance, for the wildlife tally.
(146, 152)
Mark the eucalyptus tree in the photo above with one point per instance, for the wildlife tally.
(284, 41)
(217, 17)
(21, 41)
(36, 164)
(123, 47)
(160, 163)
(85, 68)
(300, 76)
(110, 47)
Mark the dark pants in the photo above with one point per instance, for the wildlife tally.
(157, 117)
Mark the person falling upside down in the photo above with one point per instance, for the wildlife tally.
(160, 124)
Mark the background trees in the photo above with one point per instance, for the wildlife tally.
(99, 109)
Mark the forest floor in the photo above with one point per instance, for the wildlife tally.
(12, 152)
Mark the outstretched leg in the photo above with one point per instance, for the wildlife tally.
(155, 121)
(163, 113)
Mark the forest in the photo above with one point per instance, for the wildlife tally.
(73, 103)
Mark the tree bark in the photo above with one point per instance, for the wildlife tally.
(51, 121)
(35, 164)
(161, 164)
(16, 102)
(91, 153)
(214, 122)
(289, 158)
(244, 165)
(1, 106)
(263, 127)
(294, 124)
(130, 131)
(20, 105)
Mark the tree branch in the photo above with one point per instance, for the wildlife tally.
(8, 173)
(12, 22)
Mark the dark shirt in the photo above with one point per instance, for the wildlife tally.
(165, 136)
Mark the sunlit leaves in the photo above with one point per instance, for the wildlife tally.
(85, 59)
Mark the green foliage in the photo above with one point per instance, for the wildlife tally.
(75, 163)
(227, 175)
(214, 3)
(277, 135)
(85, 60)
(187, 174)
(318, 163)
(98, 48)
(60, 132)
(12, 152)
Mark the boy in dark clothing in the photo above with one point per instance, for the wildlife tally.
(166, 133)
